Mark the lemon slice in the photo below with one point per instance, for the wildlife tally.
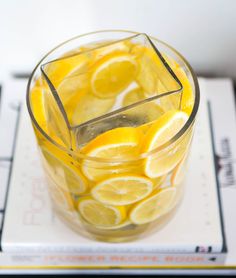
(118, 143)
(99, 49)
(146, 77)
(122, 190)
(85, 106)
(159, 182)
(187, 100)
(58, 69)
(61, 198)
(65, 76)
(148, 111)
(122, 225)
(145, 127)
(100, 215)
(133, 96)
(153, 73)
(62, 202)
(38, 108)
(175, 101)
(179, 172)
(55, 121)
(64, 174)
(113, 48)
(113, 74)
(153, 207)
(154, 78)
(73, 84)
(171, 62)
(165, 128)
(126, 222)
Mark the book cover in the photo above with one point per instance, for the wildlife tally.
(30, 225)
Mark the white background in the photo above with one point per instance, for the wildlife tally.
(204, 31)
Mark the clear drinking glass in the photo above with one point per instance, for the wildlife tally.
(113, 113)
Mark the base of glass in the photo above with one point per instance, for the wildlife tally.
(126, 233)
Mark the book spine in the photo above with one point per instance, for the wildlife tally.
(124, 260)
(138, 249)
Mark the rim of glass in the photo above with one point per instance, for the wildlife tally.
(81, 155)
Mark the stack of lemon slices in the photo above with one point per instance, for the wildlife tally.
(112, 196)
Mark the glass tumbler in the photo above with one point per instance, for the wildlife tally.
(113, 113)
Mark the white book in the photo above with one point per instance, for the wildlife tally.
(30, 225)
